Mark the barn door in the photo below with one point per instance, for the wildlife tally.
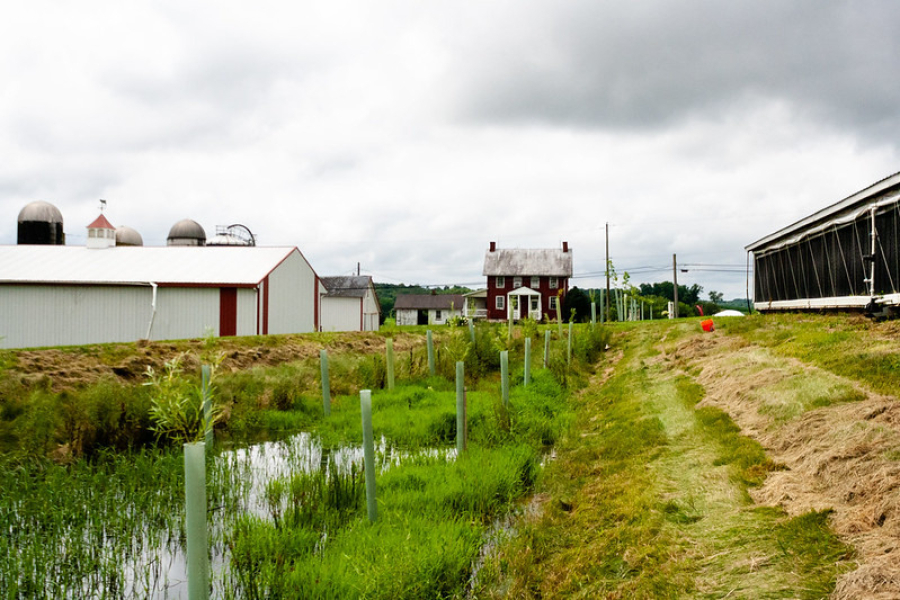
(227, 311)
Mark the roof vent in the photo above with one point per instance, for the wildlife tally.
(101, 233)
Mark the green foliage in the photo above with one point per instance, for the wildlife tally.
(578, 303)
(177, 404)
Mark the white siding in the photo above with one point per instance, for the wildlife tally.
(292, 296)
(185, 313)
(407, 316)
(371, 315)
(45, 315)
(341, 314)
(246, 311)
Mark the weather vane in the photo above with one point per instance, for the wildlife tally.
(102, 204)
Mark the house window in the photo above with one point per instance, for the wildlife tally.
(553, 302)
(517, 282)
(501, 281)
(500, 303)
(437, 315)
(534, 303)
(535, 283)
(554, 283)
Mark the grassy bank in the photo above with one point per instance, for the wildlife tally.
(648, 499)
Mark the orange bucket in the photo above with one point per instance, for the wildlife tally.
(707, 325)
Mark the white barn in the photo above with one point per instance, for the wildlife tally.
(351, 304)
(66, 295)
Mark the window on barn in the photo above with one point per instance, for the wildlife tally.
(437, 315)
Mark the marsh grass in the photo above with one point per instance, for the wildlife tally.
(88, 529)
(105, 518)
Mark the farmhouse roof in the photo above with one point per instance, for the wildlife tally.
(140, 265)
(349, 286)
(845, 211)
(526, 262)
(429, 301)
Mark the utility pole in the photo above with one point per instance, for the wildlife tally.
(607, 273)
(675, 284)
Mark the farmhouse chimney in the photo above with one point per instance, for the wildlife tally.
(493, 246)
(565, 246)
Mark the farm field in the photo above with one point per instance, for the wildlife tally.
(756, 461)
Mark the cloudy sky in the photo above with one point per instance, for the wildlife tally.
(405, 135)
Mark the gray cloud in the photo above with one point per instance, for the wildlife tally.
(615, 64)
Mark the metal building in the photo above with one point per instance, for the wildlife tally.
(351, 304)
(65, 295)
(845, 256)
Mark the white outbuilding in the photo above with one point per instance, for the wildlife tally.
(351, 304)
(66, 295)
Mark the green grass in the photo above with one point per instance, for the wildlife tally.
(849, 346)
(649, 499)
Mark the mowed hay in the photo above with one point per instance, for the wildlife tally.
(839, 446)
(66, 368)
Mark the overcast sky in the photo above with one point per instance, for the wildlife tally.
(405, 135)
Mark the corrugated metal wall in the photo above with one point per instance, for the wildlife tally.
(371, 314)
(43, 315)
(340, 314)
(292, 296)
(186, 313)
(246, 316)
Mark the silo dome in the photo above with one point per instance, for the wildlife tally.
(41, 223)
(186, 233)
(126, 236)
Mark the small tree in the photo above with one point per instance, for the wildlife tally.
(177, 403)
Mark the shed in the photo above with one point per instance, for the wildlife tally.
(845, 256)
(427, 309)
(66, 295)
(350, 304)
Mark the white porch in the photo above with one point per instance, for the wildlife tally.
(524, 303)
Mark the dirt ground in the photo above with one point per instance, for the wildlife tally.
(67, 368)
(842, 457)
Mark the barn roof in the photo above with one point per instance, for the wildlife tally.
(429, 301)
(349, 286)
(838, 213)
(140, 265)
(526, 262)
